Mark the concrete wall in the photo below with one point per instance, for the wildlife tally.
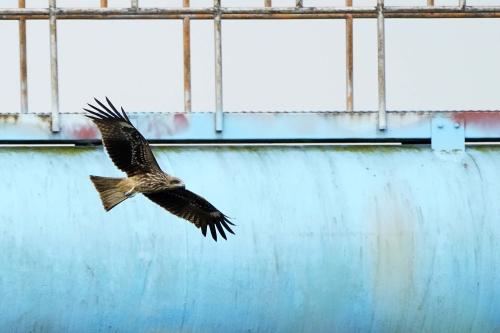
(328, 240)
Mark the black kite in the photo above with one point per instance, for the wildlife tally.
(131, 153)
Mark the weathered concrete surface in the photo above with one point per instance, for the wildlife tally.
(328, 240)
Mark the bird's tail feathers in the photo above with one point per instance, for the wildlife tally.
(111, 190)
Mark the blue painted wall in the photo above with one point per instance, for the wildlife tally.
(328, 239)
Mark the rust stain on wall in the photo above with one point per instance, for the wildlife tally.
(9, 118)
(486, 119)
(394, 270)
(83, 132)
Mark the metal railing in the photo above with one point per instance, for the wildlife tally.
(217, 13)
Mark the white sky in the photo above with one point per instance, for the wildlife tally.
(267, 65)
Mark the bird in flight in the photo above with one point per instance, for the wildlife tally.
(131, 153)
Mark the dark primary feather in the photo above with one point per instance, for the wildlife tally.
(126, 147)
(195, 209)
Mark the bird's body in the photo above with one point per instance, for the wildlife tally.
(131, 153)
(153, 182)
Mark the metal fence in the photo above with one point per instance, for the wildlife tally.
(217, 13)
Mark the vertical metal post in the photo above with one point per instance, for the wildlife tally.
(104, 3)
(53, 66)
(23, 69)
(186, 35)
(268, 3)
(349, 60)
(462, 4)
(382, 117)
(430, 2)
(218, 68)
(299, 3)
(135, 4)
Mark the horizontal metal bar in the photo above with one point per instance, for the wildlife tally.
(197, 126)
(254, 13)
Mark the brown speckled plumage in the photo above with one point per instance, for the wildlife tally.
(131, 153)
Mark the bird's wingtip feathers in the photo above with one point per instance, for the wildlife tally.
(221, 225)
(221, 230)
(226, 219)
(213, 232)
(104, 112)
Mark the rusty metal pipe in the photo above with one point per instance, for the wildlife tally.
(371, 10)
(354, 16)
(255, 13)
(23, 68)
(382, 117)
(104, 3)
(397, 15)
(186, 35)
(349, 61)
(218, 69)
(53, 67)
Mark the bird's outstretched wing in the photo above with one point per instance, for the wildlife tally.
(195, 209)
(126, 147)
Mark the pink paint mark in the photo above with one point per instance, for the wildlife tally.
(169, 125)
(84, 132)
(181, 122)
(486, 119)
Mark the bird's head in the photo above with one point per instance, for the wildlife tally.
(176, 183)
